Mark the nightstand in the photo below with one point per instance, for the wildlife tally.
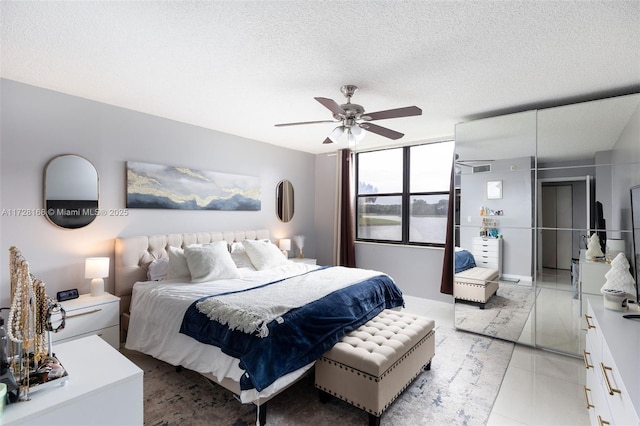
(89, 315)
(304, 260)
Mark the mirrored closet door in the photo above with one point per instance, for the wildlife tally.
(533, 187)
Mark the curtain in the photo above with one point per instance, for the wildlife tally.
(446, 284)
(344, 249)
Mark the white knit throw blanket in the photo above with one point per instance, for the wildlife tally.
(251, 311)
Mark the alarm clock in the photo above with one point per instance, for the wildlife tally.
(67, 295)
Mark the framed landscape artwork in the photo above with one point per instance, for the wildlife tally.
(154, 186)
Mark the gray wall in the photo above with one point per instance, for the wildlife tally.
(39, 124)
(517, 205)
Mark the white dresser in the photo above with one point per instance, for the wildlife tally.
(487, 253)
(611, 357)
(104, 388)
(89, 315)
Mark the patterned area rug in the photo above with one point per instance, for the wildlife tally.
(460, 389)
(504, 315)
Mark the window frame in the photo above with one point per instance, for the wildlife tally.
(405, 197)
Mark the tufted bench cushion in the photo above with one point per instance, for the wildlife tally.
(475, 285)
(372, 365)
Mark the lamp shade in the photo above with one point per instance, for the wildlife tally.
(285, 244)
(96, 267)
(357, 132)
(336, 133)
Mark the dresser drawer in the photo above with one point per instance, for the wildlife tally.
(86, 316)
(484, 263)
(615, 392)
(479, 247)
(111, 335)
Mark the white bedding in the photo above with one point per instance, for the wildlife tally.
(157, 309)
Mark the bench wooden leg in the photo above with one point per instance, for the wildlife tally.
(482, 306)
(324, 396)
(427, 367)
(374, 420)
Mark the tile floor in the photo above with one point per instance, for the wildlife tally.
(539, 387)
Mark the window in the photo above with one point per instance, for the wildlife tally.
(403, 194)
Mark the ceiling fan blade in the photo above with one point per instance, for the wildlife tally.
(305, 122)
(332, 106)
(393, 113)
(382, 131)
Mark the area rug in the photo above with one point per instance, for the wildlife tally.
(460, 389)
(504, 315)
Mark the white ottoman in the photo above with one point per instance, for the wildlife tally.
(475, 285)
(372, 365)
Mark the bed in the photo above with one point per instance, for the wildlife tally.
(184, 323)
(472, 283)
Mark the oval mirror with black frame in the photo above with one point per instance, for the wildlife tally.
(71, 191)
(284, 200)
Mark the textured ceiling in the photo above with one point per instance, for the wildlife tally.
(242, 66)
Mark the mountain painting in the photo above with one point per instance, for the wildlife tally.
(153, 186)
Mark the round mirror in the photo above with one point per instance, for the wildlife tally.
(70, 191)
(284, 200)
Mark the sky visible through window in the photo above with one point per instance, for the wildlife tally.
(380, 172)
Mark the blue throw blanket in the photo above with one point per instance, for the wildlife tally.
(464, 260)
(303, 334)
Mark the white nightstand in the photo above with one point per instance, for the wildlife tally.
(104, 388)
(89, 315)
(304, 260)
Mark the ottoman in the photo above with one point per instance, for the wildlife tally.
(475, 285)
(371, 366)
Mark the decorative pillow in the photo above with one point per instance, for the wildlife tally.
(240, 257)
(264, 254)
(177, 264)
(210, 262)
(158, 269)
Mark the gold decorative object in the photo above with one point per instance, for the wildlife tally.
(27, 320)
(299, 242)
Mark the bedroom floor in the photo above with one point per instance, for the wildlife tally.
(539, 387)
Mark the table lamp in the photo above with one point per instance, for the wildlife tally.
(285, 246)
(96, 268)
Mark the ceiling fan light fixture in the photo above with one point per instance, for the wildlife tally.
(336, 133)
(357, 132)
(351, 138)
(351, 117)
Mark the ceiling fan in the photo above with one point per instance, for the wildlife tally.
(354, 120)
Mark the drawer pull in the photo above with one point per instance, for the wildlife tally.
(586, 363)
(83, 313)
(602, 422)
(586, 398)
(606, 379)
(589, 325)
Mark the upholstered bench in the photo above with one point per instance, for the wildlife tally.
(475, 285)
(372, 365)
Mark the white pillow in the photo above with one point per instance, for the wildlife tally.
(158, 269)
(177, 264)
(239, 256)
(210, 262)
(264, 254)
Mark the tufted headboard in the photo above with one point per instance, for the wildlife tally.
(134, 254)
